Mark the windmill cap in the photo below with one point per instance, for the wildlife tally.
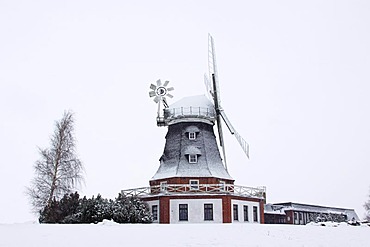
(191, 109)
(193, 101)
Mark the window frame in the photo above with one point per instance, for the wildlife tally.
(183, 212)
(155, 212)
(208, 211)
(194, 186)
(255, 214)
(163, 186)
(235, 212)
(222, 185)
(193, 158)
(192, 135)
(246, 213)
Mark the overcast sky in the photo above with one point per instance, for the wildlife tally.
(294, 81)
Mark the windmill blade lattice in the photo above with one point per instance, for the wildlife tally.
(212, 68)
(160, 92)
(214, 90)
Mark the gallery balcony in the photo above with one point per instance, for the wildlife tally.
(198, 189)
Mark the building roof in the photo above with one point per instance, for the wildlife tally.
(286, 206)
(187, 109)
(174, 161)
(192, 150)
(193, 101)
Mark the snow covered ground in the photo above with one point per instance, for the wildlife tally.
(112, 234)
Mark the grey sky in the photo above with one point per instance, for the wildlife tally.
(294, 80)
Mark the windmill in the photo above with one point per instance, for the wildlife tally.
(192, 172)
(214, 90)
(160, 92)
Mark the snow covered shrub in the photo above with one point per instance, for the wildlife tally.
(71, 210)
(57, 211)
(367, 209)
(51, 213)
(100, 209)
(131, 210)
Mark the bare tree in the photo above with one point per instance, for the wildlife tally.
(58, 171)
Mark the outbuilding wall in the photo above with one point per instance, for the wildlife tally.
(195, 210)
(250, 205)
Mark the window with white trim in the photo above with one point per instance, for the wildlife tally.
(222, 185)
(245, 213)
(155, 212)
(194, 184)
(193, 158)
(192, 135)
(163, 186)
(208, 211)
(235, 212)
(183, 212)
(255, 214)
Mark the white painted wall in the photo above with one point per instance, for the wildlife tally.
(155, 202)
(195, 210)
(241, 211)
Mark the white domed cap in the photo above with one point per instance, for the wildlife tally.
(192, 108)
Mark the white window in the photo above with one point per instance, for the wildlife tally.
(193, 158)
(222, 185)
(192, 135)
(163, 186)
(194, 184)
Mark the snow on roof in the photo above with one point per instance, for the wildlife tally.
(193, 101)
(316, 208)
(192, 150)
(192, 128)
(198, 106)
(273, 209)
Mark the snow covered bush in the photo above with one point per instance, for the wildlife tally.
(58, 211)
(131, 210)
(95, 210)
(70, 210)
(367, 209)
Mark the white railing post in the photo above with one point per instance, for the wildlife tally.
(202, 188)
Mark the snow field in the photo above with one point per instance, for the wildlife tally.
(112, 235)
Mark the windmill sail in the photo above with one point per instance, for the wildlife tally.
(215, 93)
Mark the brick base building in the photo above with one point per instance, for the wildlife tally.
(301, 214)
(192, 185)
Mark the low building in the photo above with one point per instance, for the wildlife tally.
(301, 214)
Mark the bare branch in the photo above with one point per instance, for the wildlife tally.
(58, 171)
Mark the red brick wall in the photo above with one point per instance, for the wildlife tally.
(164, 210)
(185, 180)
(164, 205)
(226, 209)
(291, 215)
(262, 212)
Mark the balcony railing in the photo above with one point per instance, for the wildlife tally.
(189, 111)
(175, 189)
